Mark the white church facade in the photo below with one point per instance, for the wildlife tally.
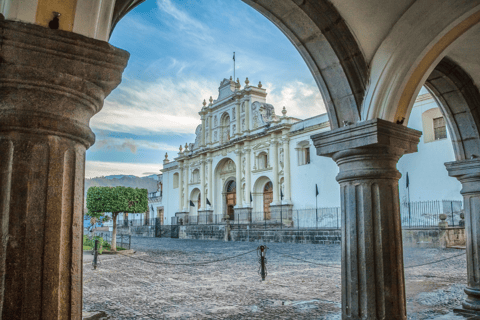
(249, 163)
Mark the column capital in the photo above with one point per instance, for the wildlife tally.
(238, 152)
(376, 132)
(467, 172)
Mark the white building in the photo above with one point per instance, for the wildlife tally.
(250, 163)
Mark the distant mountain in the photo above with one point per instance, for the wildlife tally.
(148, 182)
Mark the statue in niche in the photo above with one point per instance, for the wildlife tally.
(215, 136)
(244, 164)
(255, 120)
(233, 113)
(243, 124)
(215, 121)
(206, 137)
(234, 129)
(243, 106)
(281, 158)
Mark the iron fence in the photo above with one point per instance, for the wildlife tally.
(418, 214)
(123, 240)
(424, 214)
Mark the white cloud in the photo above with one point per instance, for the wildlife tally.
(100, 168)
(300, 99)
(166, 106)
(131, 144)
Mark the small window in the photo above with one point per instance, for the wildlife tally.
(439, 128)
(303, 156)
(175, 180)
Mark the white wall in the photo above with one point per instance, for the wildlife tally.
(428, 177)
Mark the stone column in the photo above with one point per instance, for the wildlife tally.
(274, 164)
(468, 173)
(210, 180)
(52, 83)
(202, 183)
(238, 167)
(373, 284)
(185, 191)
(286, 168)
(237, 111)
(248, 174)
(180, 186)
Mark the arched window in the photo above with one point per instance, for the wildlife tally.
(175, 180)
(225, 128)
(196, 176)
(303, 153)
(231, 187)
(262, 160)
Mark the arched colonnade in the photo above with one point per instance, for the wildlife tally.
(369, 60)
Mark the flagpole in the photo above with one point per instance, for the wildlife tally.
(408, 192)
(233, 66)
(316, 206)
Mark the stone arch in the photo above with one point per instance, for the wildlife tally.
(325, 42)
(458, 99)
(418, 41)
(224, 171)
(194, 196)
(258, 197)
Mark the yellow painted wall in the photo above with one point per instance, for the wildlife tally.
(67, 8)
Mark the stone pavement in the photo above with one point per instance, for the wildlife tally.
(129, 288)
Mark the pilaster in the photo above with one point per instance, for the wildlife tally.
(248, 174)
(180, 186)
(52, 83)
(373, 284)
(185, 190)
(210, 180)
(202, 183)
(468, 173)
(237, 111)
(274, 164)
(286, 168)
(238, 177)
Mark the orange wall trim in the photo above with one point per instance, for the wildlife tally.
(66, 8)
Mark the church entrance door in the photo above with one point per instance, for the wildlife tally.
(231, 197)
(267, 199)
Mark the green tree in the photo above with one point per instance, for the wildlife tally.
(116, 200)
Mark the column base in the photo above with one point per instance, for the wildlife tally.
(205, 216)
(243, 215)
(472, 302)
(281, 213)
(182, 217)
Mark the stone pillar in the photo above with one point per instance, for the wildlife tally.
(468, 173)
(238, 182)
(52, 83)
(248, 174)
(185, 191)
(237, 111)
(373, 284)
(210, 180)
(202, 183)
(286, 168)
(180, 186)
(210, 125)
(274, 164)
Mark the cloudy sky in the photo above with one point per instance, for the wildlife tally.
(180, 51)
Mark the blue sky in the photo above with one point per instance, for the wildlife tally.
(180, 51)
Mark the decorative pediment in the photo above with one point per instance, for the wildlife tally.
(261, 145)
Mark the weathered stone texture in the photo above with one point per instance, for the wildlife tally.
(52, 82)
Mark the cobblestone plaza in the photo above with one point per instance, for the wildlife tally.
(129, 287)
